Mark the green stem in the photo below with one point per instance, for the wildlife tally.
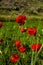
(37, 54)
(32, 58)
(40, 50)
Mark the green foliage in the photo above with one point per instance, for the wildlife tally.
(11, 31)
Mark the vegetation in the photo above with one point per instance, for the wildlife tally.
(21, 39)
(29, 7)
(11, 31)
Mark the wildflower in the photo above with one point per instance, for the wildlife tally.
(22, 30)
(22, 49)
(14, 58)
(31, 31)
(21, 19)
(36, 47)
(1, 40)
(1, 24)
(18, 43)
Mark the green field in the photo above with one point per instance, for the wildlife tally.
(11, 31)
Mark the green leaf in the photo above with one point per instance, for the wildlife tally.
(6, 49)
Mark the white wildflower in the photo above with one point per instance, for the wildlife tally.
(42, 30)
(0, 52)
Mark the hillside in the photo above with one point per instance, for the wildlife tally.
(15, 7)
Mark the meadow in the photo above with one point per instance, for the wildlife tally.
(9, 32)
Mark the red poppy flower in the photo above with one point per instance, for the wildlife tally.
(21, 19)
(23, 30)
(36, 47)
(1, 40)
(1, 24)
(14, 58)
(22, 49)
(31, 31)
(18, 43)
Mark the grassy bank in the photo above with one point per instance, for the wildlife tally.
(10, 17)
(11, 31)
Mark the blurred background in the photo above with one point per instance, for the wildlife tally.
(16, 7)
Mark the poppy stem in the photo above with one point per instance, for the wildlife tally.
(40, 50)
(37, 54)
(32, 58)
